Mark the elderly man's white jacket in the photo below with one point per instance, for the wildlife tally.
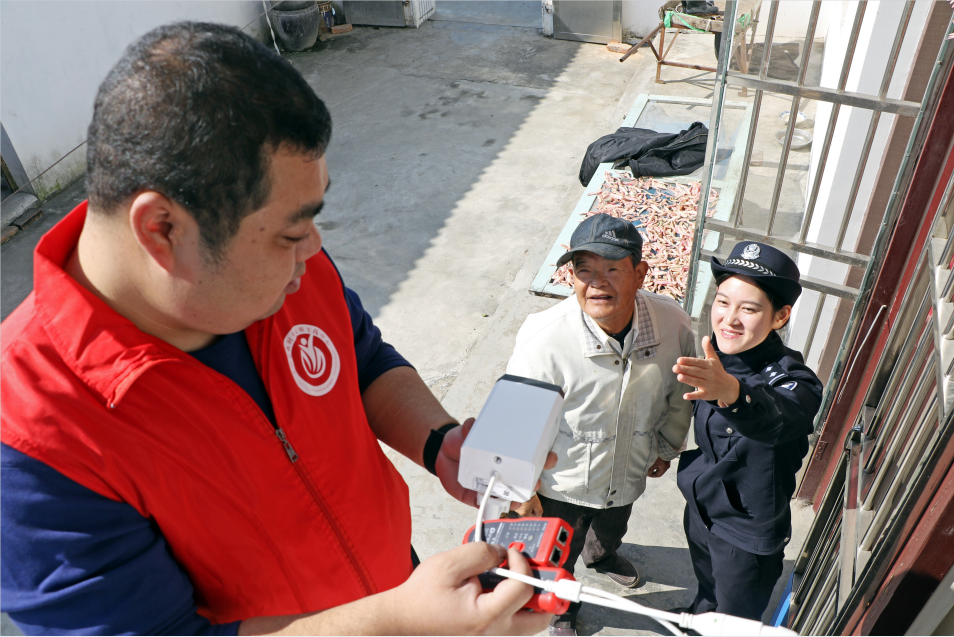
(623, 407)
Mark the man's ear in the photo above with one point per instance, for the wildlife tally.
(161, 227)
(641, 270)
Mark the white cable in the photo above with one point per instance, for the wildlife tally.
(705, 624)
(526, 579)
(274, 41)
(573, 591)
(626, 605)
(479, 527)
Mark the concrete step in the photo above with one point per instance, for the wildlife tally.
(14, 206)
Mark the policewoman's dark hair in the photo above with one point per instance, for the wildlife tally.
(194, 110)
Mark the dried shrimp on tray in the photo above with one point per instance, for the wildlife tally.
(665, 214)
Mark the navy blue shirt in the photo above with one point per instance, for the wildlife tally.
(75, 562)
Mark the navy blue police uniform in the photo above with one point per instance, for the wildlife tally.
(740, 479)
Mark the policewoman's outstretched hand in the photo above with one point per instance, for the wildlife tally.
(708, 376)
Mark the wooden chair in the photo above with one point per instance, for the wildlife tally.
(745, 27)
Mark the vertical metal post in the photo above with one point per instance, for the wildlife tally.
(792, 116)
(892, 210)
(756, 108)
(822, 297)
(712, 146)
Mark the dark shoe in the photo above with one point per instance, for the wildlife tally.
(622, 572)
(691, 7)
(564, 625)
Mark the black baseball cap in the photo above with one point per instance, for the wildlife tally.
(764, 264)
(608, 236)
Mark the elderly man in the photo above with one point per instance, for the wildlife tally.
(192, 398)
(611, 347)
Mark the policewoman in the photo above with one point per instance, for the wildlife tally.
(755, 402)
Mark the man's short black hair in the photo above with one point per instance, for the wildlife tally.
(194, 111)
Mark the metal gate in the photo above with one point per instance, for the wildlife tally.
(907, 416)
(826, 240)
(596, 21)
(389, 13)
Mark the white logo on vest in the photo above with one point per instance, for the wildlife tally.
(313, 359)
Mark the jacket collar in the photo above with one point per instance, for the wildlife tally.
(753, 360)
(102, 347)
(596, 342)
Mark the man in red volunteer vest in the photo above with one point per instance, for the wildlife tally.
(193, 400)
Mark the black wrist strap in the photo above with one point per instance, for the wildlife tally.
(433, 446)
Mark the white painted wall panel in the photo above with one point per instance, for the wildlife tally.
(53, 56)
(640, 17)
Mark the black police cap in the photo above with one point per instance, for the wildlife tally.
(766, 265)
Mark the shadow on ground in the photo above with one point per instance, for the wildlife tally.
(16, 257)
(668, 583)
(419, 115)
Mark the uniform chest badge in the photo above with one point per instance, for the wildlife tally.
(751, 251)
(312, 358)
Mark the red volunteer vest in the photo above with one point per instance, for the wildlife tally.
(139, 421)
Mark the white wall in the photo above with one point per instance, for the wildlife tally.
(792, 20)
(871, 56)
(53, 56)
(640, 17)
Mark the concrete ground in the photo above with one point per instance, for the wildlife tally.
(454, 159)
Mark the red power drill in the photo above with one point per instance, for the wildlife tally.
(545, 543)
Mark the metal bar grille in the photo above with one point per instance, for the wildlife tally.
(793, 113)
(822, 94)
(832, 120)
(814, 326)
(803, 212)
(715, 125)
(814, 249)
(913, 394)
(756, 109)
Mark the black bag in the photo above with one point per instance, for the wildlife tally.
(647, 152)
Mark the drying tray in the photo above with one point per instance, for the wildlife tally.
(663, 113)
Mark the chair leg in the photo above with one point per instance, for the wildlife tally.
(636, 46)
(741, 55)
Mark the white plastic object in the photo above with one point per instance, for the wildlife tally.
(512, 436)
(568, 589)
(704, 624)
(722, 624)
